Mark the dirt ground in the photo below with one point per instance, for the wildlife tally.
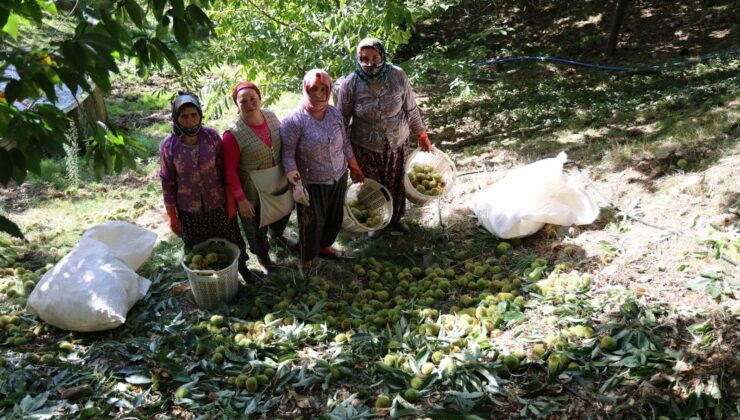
(639, 256)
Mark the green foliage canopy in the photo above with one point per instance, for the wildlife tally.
(274, 43)
(101, 33)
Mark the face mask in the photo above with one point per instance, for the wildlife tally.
(190, 131)
(372, 70)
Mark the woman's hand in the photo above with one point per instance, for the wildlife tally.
(424, 143)
(300, 195)
(354, 171)
(175, 224)
(246, 208)
(294, 177)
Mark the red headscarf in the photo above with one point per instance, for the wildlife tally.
(245, 85)
(312, 78)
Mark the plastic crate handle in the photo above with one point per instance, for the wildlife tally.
(385, 193)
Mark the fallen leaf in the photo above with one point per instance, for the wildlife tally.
(180, 289)
(77, 392)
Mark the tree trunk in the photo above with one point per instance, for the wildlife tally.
(611, 45)
(94, 107)
(91, 110)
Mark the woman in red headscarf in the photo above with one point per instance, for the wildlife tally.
(252, 148)
(316, 155)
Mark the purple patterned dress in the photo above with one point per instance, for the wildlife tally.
(193, 181)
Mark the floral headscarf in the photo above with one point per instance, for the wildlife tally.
(311, 79)
(372, 74)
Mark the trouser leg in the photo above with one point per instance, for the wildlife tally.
(334, 212)
(320, 223)
(256, 235)
(278, 228)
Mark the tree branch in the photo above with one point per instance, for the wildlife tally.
(278, 21)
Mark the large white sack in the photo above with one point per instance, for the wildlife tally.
(92, 289)
(133, 244)
(530, 196)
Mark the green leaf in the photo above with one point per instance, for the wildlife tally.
(533, 386)
(714, 290)
(142, 51)
(118, 33)
(33, 159)
(711, 274)
(74, 56)
(48, 6)
(6, 167)
(14, 91)
(4, 15)
(182, 31)
(178, 8)
(7, 226)
(19, 166)
(512, 317)
(197, 15)
(72, 79)
(135, 12)
(98, 41)
(101, 79)
(90, 412)
(169, 55)
(11, 26)
(699, 283)
(30, 404)
(158, 8)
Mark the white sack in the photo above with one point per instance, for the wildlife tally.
(91, 288)
(131, 243)
(530, 196)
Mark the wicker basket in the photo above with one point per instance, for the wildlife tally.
(441, 163)
(372, 195)
(211, 288)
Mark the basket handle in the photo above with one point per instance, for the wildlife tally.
(217, 241)
(204, 273)
(385, 193)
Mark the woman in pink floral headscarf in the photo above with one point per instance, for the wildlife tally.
(316, 155)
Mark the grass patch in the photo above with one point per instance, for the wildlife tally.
(51, 172)
(143, 102)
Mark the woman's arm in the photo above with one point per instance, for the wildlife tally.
(167, 174)
(346, 99)
(290, 133)
(231, 155)
(346, 144)
(410, 108)
(413, 116)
